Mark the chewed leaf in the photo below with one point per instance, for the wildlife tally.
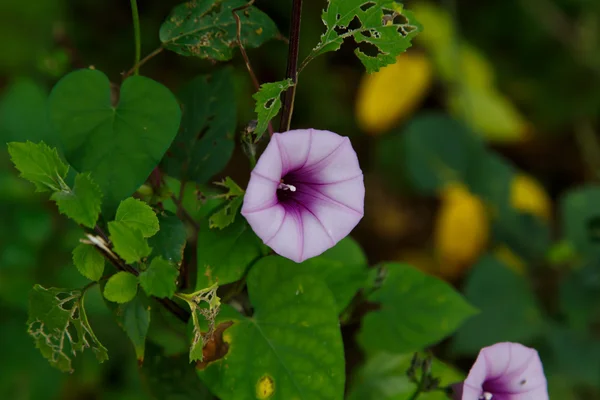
(226, 215)
(207, 28)
(58, 324)
(268, 103)
(381, 23)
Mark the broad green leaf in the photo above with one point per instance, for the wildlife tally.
(128, 243)
(381, 23)
(343, 268)
(226, 215)
(291, 348)
(82, 203)
(121, 287)
(59, 326)
(416, 311)
(136, 320)
(438, 151)
(509, 311)
(171, 377)
(579, 296)
(383, 377)
(136, 214)
(225, 254)
(170, 241)
(119, 144)
(89, 262)
(268, 104)
(39, 164)
(207, 28)
(205, 140)
(23, 113)
(159, 278)
(580, 216)
(574, 355)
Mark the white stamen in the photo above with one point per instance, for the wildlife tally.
(486, 396)
(285, 186)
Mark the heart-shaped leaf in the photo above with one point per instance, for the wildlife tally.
(119, 144)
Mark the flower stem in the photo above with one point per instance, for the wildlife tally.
(138, 39)
(143, 61)
(292, 67)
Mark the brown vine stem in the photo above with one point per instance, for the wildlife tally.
(292, 67)
(238, 24)
(143, 61)
(121, 265)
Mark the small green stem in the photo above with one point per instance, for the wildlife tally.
(138, 39)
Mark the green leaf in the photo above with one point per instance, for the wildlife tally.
(121, 287)
(170, 241)
(207, 28)
(159, 279)
(136, 321)
(580, 218)
(295, 334)
(136, 214)
(128, 243)
(383, 377)
(268, 104)
(382, 23)
(226, 215)
(416, 311)
(437, 151)
(205, 141)
(39, 164)
(579, 296)
(343, 268)
(23, 113)
(119, 144)
(82, 204)
(509, 311)
(225, 254)
(171, 377)
(89, 262)
(59, 326)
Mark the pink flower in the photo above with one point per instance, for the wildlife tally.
(504, 371)
(306, 193)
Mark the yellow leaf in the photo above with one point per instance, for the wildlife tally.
(527, 195)
(439, 29)
(461, 231)
(489, 113)
(386, 97)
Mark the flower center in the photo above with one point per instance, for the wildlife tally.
(486, 396)
(285, 191)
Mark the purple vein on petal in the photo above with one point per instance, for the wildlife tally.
(261, 208)
(264, 177)
(310, 138)
(316, 163)
(329, 183)
(331, 200)
(278, 229)
(318, 220)
(283, 156)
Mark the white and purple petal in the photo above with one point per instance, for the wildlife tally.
(321, 199)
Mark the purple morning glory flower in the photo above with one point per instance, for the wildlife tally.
(504, 371)
(306, 193)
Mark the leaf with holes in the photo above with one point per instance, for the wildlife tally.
(205, 140)
(59, 326)
(268, 104)
(380, 23)
(89, 262)
(416, 311)
(207, 28)
(82, 203)
(136, 214)
(119, 144)
(39, 164)
(291, 348)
